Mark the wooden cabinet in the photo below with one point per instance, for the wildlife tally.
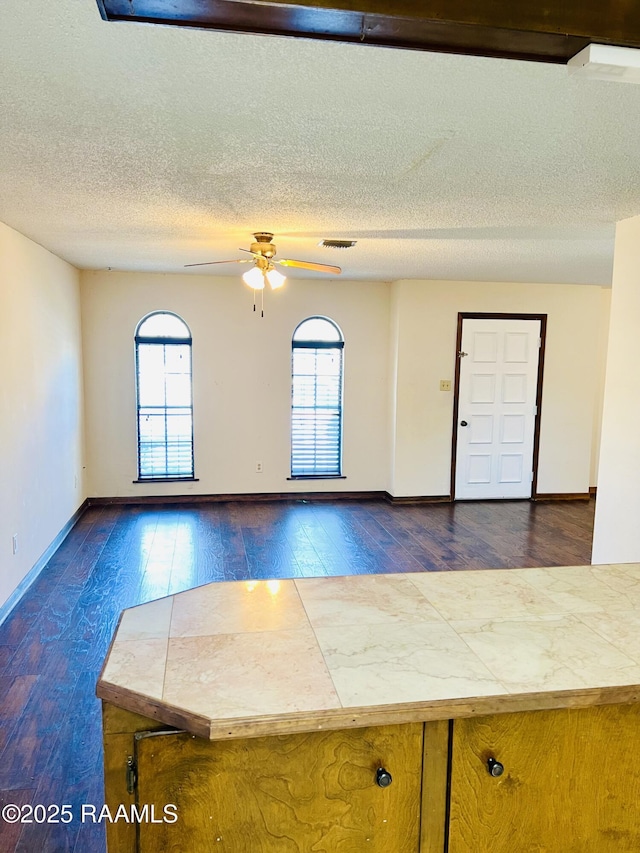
(280, 794)
(571, 784)
(287, 794)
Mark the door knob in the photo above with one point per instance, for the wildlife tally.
(463, 423)
(383, 777)
(494, 767)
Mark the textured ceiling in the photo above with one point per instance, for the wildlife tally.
(145, 148)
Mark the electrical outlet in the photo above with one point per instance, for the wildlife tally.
(14, 543)
(445, 385)
(258, 467)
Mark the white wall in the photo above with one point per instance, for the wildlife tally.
(601, 362)
(41, 482)
(616, 537)
(400, 341)
(241, 378)
(425, 324)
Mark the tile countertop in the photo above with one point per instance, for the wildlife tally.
(254, 658)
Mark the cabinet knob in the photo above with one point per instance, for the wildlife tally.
(494, 767)
(383, 777)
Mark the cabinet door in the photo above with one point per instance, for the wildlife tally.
(571, 782)
(311, 793)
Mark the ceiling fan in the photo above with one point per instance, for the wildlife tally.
(263, 251)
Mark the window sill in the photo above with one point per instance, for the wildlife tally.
(318, 477)
(167, 480)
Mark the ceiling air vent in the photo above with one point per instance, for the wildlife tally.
(337, 244)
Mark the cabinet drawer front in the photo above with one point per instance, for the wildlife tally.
(570, 783)
(312, 793)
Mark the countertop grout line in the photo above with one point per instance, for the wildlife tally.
(166, 656)
(317, 641)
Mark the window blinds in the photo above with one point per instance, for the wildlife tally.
(316, 410)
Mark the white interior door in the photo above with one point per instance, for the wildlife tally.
(496, 408)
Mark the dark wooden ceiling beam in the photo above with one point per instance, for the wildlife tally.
(515, 29)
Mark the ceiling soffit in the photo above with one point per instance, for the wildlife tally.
(512, 29)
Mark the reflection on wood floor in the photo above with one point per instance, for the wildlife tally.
(53, 644)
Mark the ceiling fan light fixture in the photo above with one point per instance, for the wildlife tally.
(275, 278)
(254, 278)
(261, 254)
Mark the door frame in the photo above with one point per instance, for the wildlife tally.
(475, 315)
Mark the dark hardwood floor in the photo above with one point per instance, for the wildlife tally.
(53, 644)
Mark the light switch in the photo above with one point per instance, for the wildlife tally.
(445, 385)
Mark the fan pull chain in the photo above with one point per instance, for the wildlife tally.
(254, 300)
(262, 302)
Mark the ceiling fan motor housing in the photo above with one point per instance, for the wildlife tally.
(263, 244)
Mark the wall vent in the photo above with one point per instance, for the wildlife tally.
(337, 244)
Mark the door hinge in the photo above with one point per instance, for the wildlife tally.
(535, 410)
(531, 477)
(132, 775)
(462, 354)
(539, 342)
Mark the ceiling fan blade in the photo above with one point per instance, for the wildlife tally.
(307, 265)
(209, 263)
(249, 252)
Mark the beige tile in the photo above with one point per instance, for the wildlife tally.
(625, 580)
(147, 621)
(363, 600)
(577, 589)
(485, 594)
(551, 653)
(621, 629)
(137, 665)
(238, 607)
(632, 569)
(248, 675)
(409, 662)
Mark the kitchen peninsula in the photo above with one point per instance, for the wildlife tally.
(469, 711)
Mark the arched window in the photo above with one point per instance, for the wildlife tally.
(316, 399)
(165, 410)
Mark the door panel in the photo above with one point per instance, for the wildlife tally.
(479, 468)
(510, 469)
(483, 388)
(485, 347)
(516, 347)
(513, 429)
(571, 782)
(497, 394)
(514, 388)
(481, 429)
(284, 794)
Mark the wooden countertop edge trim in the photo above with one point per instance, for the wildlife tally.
(344, 718)
(155, 709)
